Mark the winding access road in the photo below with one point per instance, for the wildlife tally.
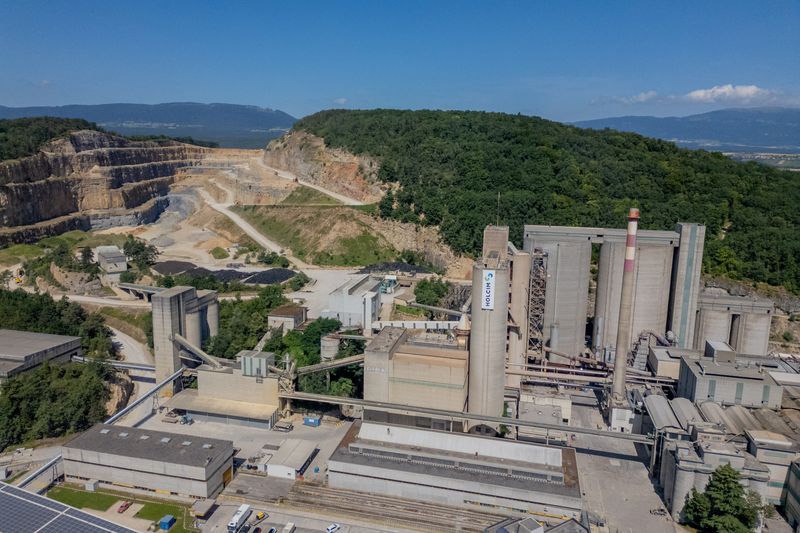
(285, 174)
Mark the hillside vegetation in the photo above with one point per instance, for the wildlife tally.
(24, 136)
(451, 166)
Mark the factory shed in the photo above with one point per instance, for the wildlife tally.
(686, 413)
(214, 409)
(23, 350)
(291, 459)
(165, 463)
(661, 413)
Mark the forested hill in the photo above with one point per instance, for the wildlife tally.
(451, 166)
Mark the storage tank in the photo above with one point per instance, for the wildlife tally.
(487, 354)
(328, 347)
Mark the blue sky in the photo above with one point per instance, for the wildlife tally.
(557, 59)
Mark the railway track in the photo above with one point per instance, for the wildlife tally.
(390, 511)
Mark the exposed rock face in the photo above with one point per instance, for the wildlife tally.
(88, 175)
(337, 170)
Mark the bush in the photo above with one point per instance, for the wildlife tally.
(788, 336)
(129, 276)
(219, 253)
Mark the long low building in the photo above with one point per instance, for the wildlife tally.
(458, 470)
(165, 463)
(24, 350)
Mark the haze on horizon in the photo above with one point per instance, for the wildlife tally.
(571, 61)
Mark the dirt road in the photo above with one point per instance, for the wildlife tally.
(346, 200)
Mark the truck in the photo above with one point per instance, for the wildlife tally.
(288, 528)
(239, 518)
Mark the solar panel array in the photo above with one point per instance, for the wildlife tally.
(25, 512)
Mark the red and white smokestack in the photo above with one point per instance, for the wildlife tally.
(625, 322)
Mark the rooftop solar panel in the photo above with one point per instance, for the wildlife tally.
(25, 512)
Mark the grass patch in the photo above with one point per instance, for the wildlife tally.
(219, 253)
(335, 236)
(19, 253)
(153, 510)
(82, 499)
(137, 324)
(406, 310)
(303, 195)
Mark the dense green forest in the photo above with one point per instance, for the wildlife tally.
(22, 137)
(24, 311)
(451, 166)
(53, 400)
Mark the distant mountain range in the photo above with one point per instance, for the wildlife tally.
(763, 129)
(230, 125)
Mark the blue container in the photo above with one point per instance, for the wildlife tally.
(312, 421)
(166, 522)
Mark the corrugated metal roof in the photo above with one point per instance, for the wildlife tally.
(660, 412)
(685, 412)
(714, 413)
(744, 419)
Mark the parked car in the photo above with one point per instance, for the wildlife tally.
(261, 515)
(333, 528)
(272, 530)
(124, 507)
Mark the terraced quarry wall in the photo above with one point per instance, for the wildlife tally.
(88, 176)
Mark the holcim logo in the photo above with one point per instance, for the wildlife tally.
(487, 299)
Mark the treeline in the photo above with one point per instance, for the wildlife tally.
(464, 170)
(39, 313)
(21, 137)
(53, 400)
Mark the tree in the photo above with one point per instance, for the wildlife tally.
(342, 387)
(723, 506)
(431, 291)
(139, 252)
(87, 256)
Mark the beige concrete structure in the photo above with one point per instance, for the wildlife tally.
(21, 351)
(165, 463)
(792, 508)
(742, 322)
(665, 361)
(290, 460)
(400, 369)
(727, 383)
(188, 312)
(777, 452)
(518, 333)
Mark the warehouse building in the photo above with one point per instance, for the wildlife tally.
(356, 303)
(290, 460)
(165, 463)
(458, 470)
(777, 453)
(21, 351)
(287, 317)
(728, 383)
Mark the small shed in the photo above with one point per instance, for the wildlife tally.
(166, 522)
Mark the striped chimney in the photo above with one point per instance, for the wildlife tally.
(625, 322)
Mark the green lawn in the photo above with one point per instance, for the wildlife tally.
(82, 499)
(101, 500)
(303, 195)
(17, 253)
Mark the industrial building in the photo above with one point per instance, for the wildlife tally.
(287, 317)
(727, 383)
(667, 274)
(111, 261)
(245, 393)
(157, 461)
(21, 351)
(740, 321)
(792, 506)
(290, 460)
(420, 372)
(458, 470)
(355, 303)
(181, 311)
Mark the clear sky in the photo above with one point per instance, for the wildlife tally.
(560, 59)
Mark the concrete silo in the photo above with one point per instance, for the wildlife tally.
(489, 332)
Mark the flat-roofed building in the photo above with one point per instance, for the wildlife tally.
(111, 259)
(290, 460)
(23, 350)
(458, 470)
(143, 459)
(665, 361)
(355, 303)
(287, 317)
(777, 452)
(741, 321)
(727, 383)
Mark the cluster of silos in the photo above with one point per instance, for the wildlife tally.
(665, 288)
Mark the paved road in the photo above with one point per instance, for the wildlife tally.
(346, 200)
(131, 350)
(100, 300)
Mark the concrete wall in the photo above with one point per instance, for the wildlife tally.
(518, 339)
(754, 336)
(426, 381)
(167, 320)
(712, 325)
(233, 385)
